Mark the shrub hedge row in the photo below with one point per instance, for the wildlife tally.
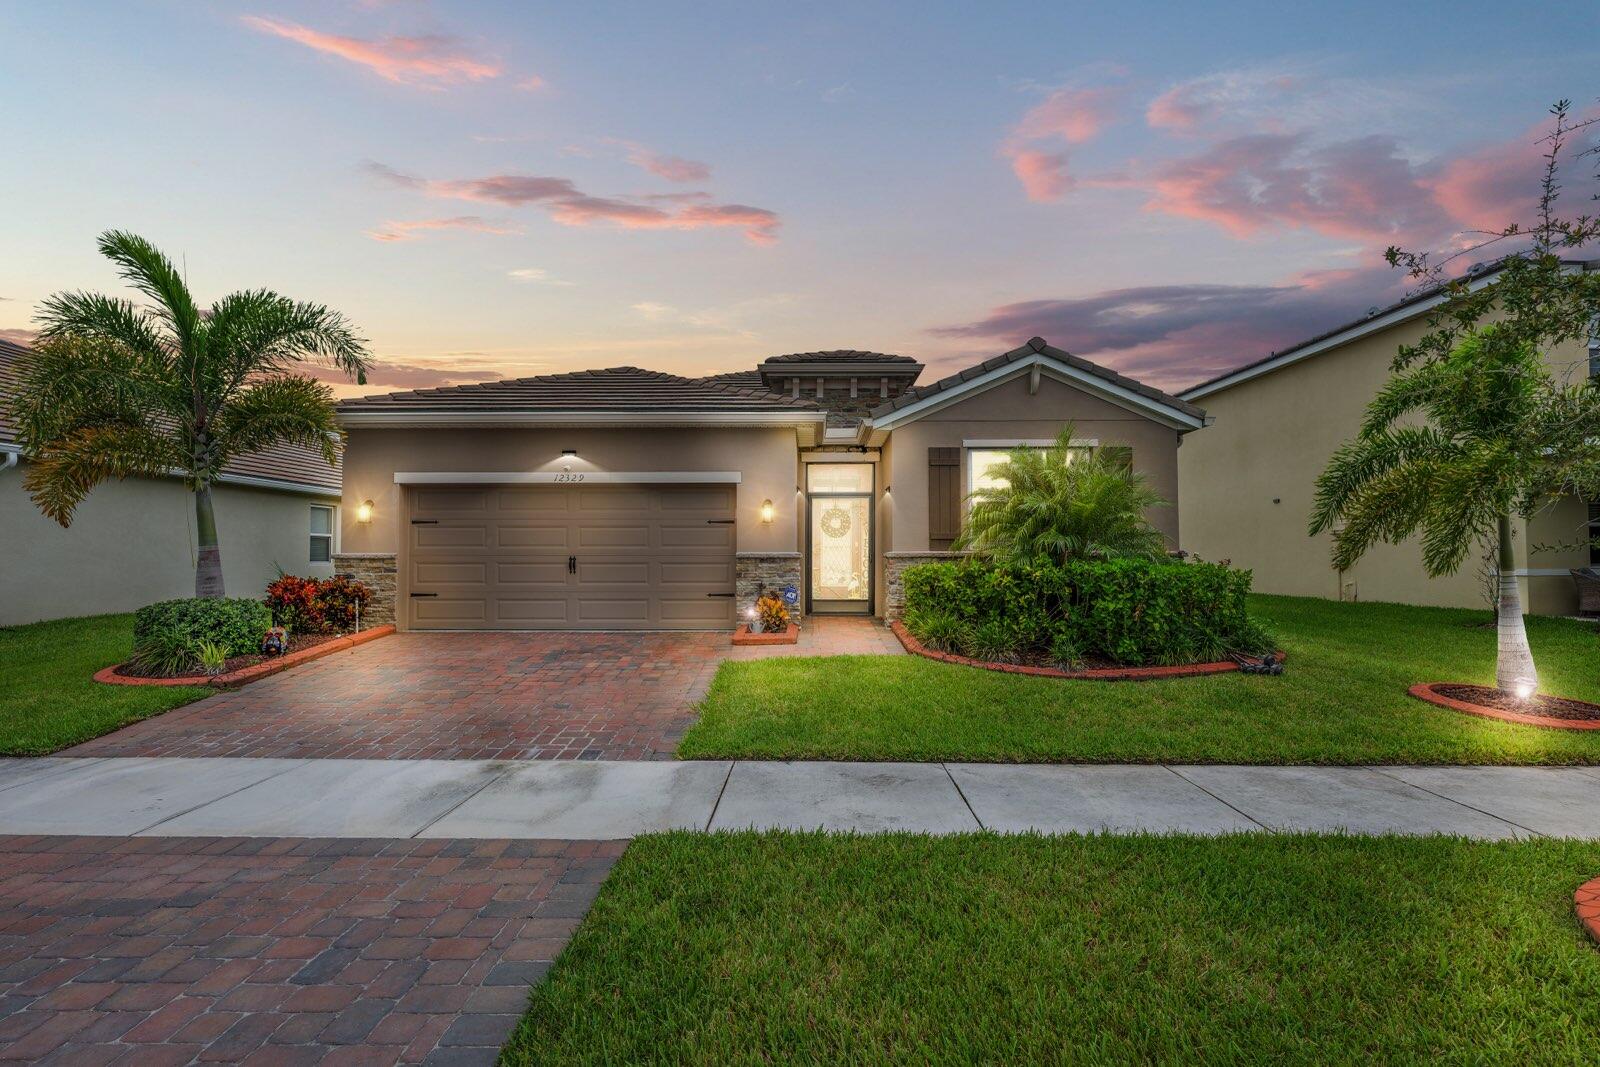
(237, 623)
(1136, 612)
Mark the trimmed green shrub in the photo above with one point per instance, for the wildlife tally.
(939, 630)
(236, 624)
(1064, 651)
(166, 653)
(1126, 611)
(992, 640)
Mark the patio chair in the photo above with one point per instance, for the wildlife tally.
(1588, 583)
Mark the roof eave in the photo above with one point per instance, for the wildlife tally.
(446, 418)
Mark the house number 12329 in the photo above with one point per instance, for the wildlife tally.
(568, 476)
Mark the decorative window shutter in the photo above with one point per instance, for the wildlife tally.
(944, 497)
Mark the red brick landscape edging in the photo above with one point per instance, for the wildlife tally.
(1586, 901)
(789, 636)
(1427, 691)
(109, 675)
(1094, 674)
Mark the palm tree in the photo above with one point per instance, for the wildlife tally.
(1455, 447)
(116, 390)
(1062, 503)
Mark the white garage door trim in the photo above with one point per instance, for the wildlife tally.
(566, 477)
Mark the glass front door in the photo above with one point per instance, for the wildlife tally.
(839, 535)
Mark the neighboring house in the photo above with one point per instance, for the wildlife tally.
(632, 499)
(133, 542)
(1248, 482)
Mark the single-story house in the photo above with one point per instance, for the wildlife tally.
(132, 542)
(1247, 483)
(632, 499)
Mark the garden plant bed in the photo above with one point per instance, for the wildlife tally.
(242, 669)
(1558, 713)
(789, 635)
(1107, 673)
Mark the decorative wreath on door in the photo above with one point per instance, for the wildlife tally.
(836, 522)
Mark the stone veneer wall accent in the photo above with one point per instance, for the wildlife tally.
(895, 565)
(772, 570)
(379, 572)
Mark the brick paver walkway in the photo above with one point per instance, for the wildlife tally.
(476, 696)
(171, 950)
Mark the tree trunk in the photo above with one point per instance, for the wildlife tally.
(1513, 665)
(208, 564)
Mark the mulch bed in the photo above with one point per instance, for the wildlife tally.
(1587, 903)
(1042, 669)
(253, 667)
(234, 663)
(1559, 713)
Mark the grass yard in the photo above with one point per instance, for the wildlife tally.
(806, 948)
(1342, 700)
(48, 698)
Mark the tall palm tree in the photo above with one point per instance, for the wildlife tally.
(117, 390)
(1455, 447)
(1061, 503)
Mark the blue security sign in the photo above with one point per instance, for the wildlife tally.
(791, 595)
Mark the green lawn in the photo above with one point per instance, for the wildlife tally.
(48, 698)
(803, 948)
(1342, 700)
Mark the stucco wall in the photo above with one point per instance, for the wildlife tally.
(1008, 411)
(765, 457)
(132, 543)
(1247, 483)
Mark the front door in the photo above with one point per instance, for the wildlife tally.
(839, 538)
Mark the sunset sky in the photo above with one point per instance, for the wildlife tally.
(496, 189)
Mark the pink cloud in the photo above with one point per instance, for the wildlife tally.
(672, 168)
(409, 230)
(572, 207)
(1072, 116)
(1043, 175)
(430, 61)
(1489, 188)
(532, 83)
(1179, 108)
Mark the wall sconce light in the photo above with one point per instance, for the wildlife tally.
(364, 511)
(767, 511)
(569, 451)
(888, 489)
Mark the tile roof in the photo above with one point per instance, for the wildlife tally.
(1036, 346)
(281, 463)
(840, 355)
(615, 389)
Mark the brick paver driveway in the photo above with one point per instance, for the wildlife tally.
(475, 696)
(171, 950)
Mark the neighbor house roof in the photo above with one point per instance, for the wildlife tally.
(614, 389)
(291, 467)
(1038, 351)
(1412, 306)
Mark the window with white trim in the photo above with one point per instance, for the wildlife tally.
(1594, 533)
(321, 533)
(981, 463)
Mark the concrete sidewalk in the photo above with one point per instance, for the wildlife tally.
(209, 797)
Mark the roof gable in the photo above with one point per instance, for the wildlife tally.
(1075, 370)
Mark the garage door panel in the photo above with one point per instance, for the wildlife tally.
(613, 572)
(532, 611)
(512, 535)
(699, 535)
(646, 557)
(439, 573)
(431, 500)
(450, 536)
(705, 612)
(714, 575)
(633, 536)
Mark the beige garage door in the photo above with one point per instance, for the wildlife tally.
(571, 558)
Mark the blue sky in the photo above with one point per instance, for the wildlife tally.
(493, 189)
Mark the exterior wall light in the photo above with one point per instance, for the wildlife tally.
(767, 511)
(569, 451)
(364, 511)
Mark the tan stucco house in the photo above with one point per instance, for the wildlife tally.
(1247, 483)
(132, 542)
(631, 499)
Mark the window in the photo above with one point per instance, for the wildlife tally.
(1594, 533)
(982, 461)
(839, 477)
(321, 533)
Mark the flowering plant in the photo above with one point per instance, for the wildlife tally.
(295, 605)
(770, 610)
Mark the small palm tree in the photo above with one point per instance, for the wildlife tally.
(1455, 447)
(1063, 503)
(114, 390)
